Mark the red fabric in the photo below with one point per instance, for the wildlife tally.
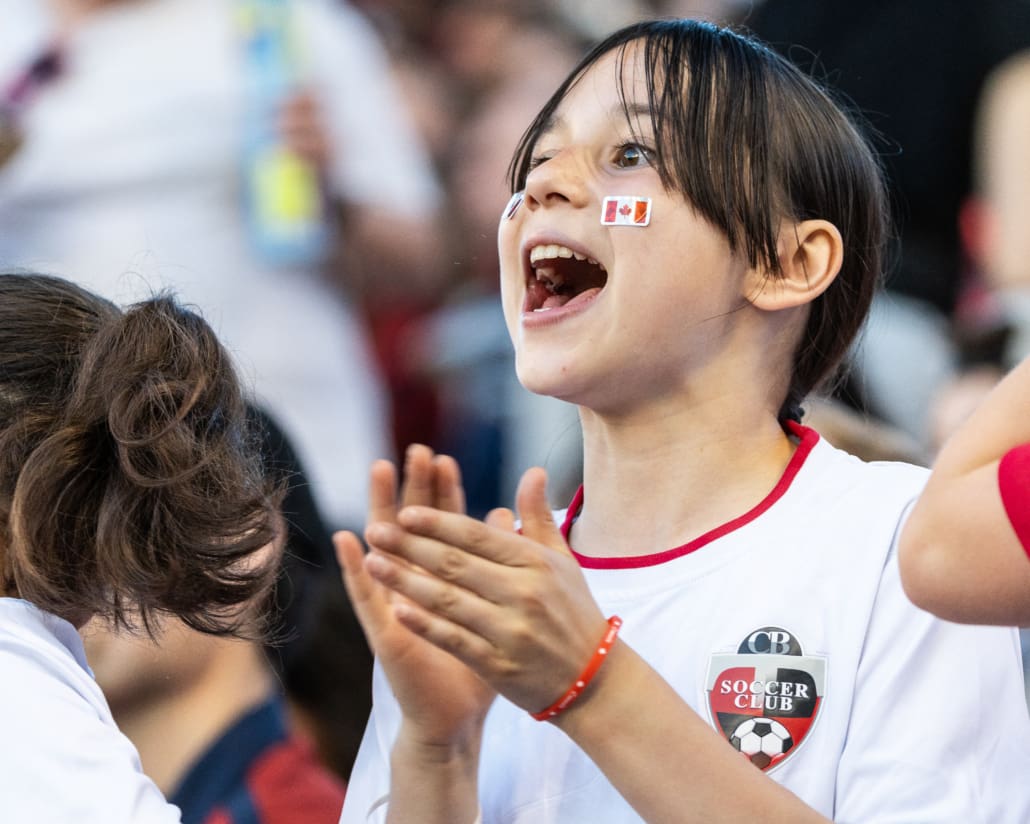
(414, 397)
(1014, 486)
(288, 785)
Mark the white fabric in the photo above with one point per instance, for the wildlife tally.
(129, 181)
(922, 720)
(62, 758)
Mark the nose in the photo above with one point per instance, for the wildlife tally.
(560, 179)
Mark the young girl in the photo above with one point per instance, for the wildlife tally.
(129, 490)
(695, 245)
(963, 553)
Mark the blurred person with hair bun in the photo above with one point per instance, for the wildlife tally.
(131, 491)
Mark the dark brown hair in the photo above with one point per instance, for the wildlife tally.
(130, 485)
(750, 141)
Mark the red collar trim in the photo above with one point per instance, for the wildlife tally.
(808, 439)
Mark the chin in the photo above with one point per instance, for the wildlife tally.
(550, 381)
(536, 380)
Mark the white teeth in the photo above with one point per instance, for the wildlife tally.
(551, 251)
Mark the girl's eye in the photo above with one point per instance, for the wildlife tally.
(630, 155)
(537, 160)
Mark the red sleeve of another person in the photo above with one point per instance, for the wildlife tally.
(287, 785)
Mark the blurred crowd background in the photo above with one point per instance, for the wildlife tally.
(323, 179)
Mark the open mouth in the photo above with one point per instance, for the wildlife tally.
(560, 275)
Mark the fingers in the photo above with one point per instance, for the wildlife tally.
(418, 487)
(448, 492)
(467, 646)
(450, 566)
(429, 593)
(365, 593)
(503, 519)
(351, 557)
(535, 513)
(382, 492)
(486, 541)
(429, 481)
(302, 124)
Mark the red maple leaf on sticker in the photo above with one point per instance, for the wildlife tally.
(624, 209)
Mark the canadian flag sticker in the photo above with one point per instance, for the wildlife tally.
(623, 210)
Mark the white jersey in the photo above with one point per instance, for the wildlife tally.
(789, 630)
(63, 759)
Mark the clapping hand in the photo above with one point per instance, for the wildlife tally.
(441, 699)
(512, 605)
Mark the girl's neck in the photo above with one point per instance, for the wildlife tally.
(658, 482)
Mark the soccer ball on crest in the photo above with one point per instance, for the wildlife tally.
(762, 740)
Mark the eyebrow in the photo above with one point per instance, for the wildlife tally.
(635, 110)
(629, 111)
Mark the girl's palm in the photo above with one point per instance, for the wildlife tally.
(438, 694)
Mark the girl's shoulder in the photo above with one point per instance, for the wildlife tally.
(43, 655)
(838, 466)
(63, 757)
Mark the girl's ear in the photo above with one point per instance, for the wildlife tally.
(811, 253)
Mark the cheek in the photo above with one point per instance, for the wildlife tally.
(510, 266)
(507, 237)
(508, 256)
(511, 301)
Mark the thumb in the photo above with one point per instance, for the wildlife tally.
(535, 513)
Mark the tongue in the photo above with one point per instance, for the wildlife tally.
(554, 301)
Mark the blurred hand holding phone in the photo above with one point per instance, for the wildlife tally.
(283, 198)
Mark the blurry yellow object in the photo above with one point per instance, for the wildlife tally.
(283, 186)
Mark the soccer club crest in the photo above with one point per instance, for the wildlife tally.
(765, 698)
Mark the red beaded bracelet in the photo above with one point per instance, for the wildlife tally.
(586, 676)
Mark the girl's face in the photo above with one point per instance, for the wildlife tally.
(656, 310)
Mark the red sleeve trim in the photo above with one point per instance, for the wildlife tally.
(1014, 486)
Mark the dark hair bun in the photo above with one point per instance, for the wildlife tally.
(141, 489)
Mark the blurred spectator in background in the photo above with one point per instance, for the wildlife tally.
(130, 127)
(317, 649)
(997, 239)
(915, 70)
(994, 317)
(212, 732)
(233, 732)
